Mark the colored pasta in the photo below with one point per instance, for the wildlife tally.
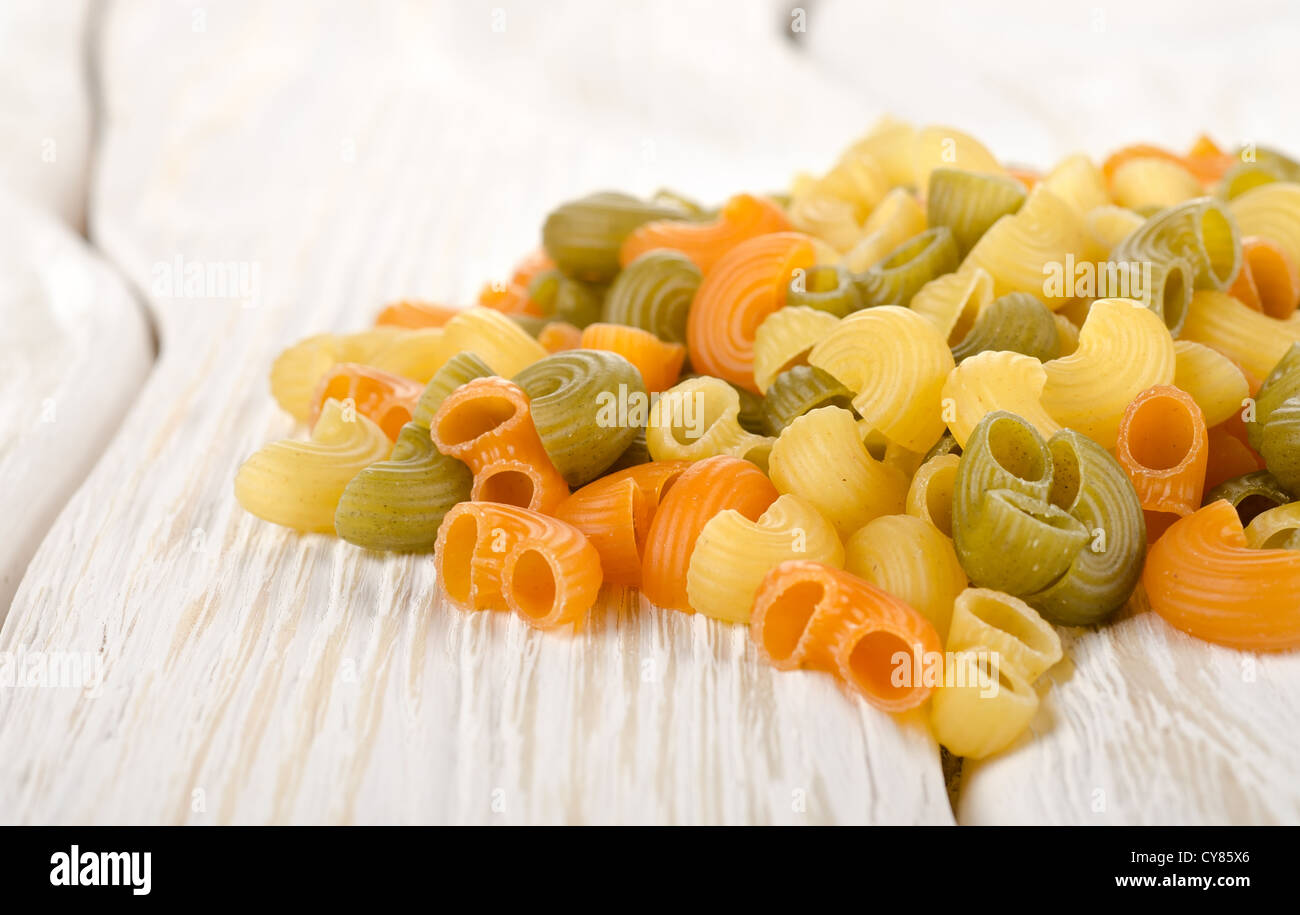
(654, 292)
(910, 559)
(584, 237)
(1162, 446)
(741, 218)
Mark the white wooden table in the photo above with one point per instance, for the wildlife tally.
(346, 157)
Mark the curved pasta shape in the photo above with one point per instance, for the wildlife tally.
(387, 399)
(494, 338)
(1251, 494)
(1162, 445)
(1204, 579)
(1106, 226)
(860, 488)
(953, 301)
(297, 371)
(615, 512)
(398, 504)
(585, 237)
(487, 424)
(741, 218)
(558, 336)
(809, 614)
(708, 487)
(984, 709)
(1253, 340)
(745, 286)
(827, 218)
(1269, 280)
(929, 496)
(1078, 183)
(734, 553)
(1017, 322)
(700, 418)
(1213, 380)
(654, 292)
(1229, 457)
(992, 381)
(1275, 529)
(896, 363)
(968, 203)
(897, 278)
(415, 354)
(986, 619)
(587, 406)
(1148, 181)
(659, 363)
(298, 484)
(855, 180)
(456, 371)
(1279, 443)
(898, 218)
(1206, 161)
(500, 557)
(1273, 212)
(784, 340)
(910, 559)
(410, 315)
(553, 295)
(800, 390)
(1123, 350)
(824, 287)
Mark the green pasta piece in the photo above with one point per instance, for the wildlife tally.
(1018, 322)
(398, 504)
(584, 404)
(1193, 245)
(583, 236)
(1282, 383)
(636, 453)
(1250, 494)
(908, 267)
(968, 203)
(1015, 543)
(1090, 486)
(654, 293)
(947, 444)
(825, 287)
(1003, 452)
(459, 369)
(564, 299)
(751, 411)
(690, 208)
(1283, 540)
(1279, 444)
(798, 390)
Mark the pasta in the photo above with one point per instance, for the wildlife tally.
(992, 381)
(557, 336)
(654, 292)
(896, 363)
(298, 484)
(986, 707)
(487, 424)
(746, 285)
(456, 371)
(415, 354)
(824, 287)
(1020, 251)
(734, 553)
(1213, 380)
(494, 557)
(494, 338)
(708, 487)
(1162, 446)
(1275, 428)
(1251, 494)
(1273, 212)
(968, 203)
(1269, 280)
(1148, 181)
(659, 363)
(800, 390)
(699, 418)
(585, 406)
(1275, 529)
(584, 237)
(929, 496)
(829, 219)
(1253, 340)
(784, 340)
(984, 619)
(953, 301)
(387, 399)
(296, 372)
(897, 218)
(1017, 322)
(901, 274)
(855, 181)
(1204, 579)
(411, 314)
(551, 294)
(910, 559)
(809, 614)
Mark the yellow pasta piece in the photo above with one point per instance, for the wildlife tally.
(947, 147)
(297, 371)
(699, 418)
(830, 219)
(1107, 226)
(1256, 341)
(1148, 181)
(996, 380)
(983, 618)
(1078, 182)
(1124, 348)
(857, 489)
(416, 354)
(929, 497)
(733, 554)
(1272, 211)
(1214, 381)
(911, 560)
(891, 144)
(1067, 332)
(298, 484)
(856, 179)
(895, 361)
(973, 719)
(1283, 520)
(784, 339)
(953, 301)
(494, 338)
(898, 218)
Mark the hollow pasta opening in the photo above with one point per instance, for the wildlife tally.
(458, 545)
(532, 584)
(1161, 433)
(1216, 235)
(1012, 445)
(473, 417)
(873, 661)
(1008, 618)
(1285, 539)
(1173, 296)
(822, 278)
(787, 617)
(1249, 508)
(509, 487)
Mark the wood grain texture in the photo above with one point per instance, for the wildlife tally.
(254, 675)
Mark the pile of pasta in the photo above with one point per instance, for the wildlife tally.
(902, 421)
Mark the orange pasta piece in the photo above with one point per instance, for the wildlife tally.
(808, 614)
(1162, 446)
(746, 285)
(414, 315)
(1203, 579)
(486, 423)
(529, 266)
(1228, 455)
(615, 513)
(377, 395)
(559, 335)
(1206, 167)
(1268, 280)
(659, 363)
(706, 488)
(491, 556)
(509, 298)
(742, 217)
